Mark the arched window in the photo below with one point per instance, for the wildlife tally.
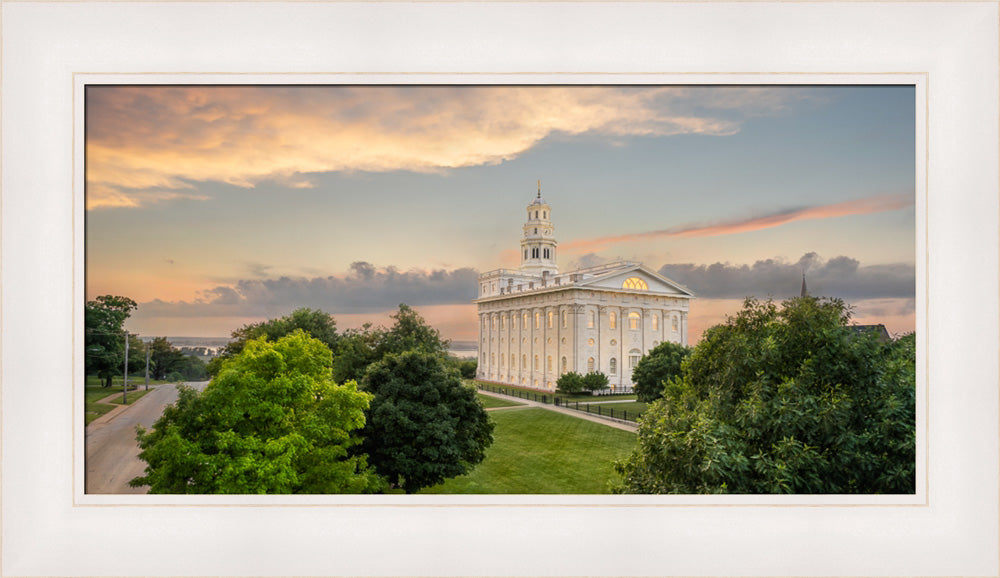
(633, 358)
(536, 363)
(524, 361)
(545, 214)
(513, 361)
(590, 319)
(565, 317)
(613, 366)
(635, 283)
(524, 320)
(538, 320)
(633, 320)
(674, 323)
(590, 364)
(503, 321)
(536, 214)
(525, 253)
(612, 319)
(564, 364)
(493, 359)
(551, 316)
(548, 363)
(655, 320)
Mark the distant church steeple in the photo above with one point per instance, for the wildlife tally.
(804, 293)
(538, 244)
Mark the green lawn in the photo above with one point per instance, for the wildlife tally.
(512, 389)
(491, 402)
(92, 394)
(634, 408)
(536, 451)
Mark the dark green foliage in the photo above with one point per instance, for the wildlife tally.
(570, 383)
(787, 400)
(272, 421)
(466, 367)
(168, 362)
(318, 324)
(104, 336)
(660, 365)
(361, 347)
(594, 381)
(423, 425)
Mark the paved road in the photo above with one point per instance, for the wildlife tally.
(112, 454)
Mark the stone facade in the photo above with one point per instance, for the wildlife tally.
(536, 324)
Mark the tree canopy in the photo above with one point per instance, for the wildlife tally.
(318, 324)
(783, 400)
(423, 425)
(660, 365)
(271, 421)
(104, 336)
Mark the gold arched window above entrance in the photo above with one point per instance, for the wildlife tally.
(635, 283)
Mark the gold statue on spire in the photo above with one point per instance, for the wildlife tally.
(539, 188)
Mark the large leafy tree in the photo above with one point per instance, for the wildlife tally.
(271, 421)
(359, 348)
(104, 336)
(783, 399)
(424, 425)
(660, 365)
(169, 362)
(318, 324)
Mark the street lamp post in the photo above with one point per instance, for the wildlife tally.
(125, 382)
(147, 366)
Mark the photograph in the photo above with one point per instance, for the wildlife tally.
(500, 288)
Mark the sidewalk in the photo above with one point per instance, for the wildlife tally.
(605, 420)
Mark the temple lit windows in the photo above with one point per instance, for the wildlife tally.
(551, 316)
(590, 364)
(635, 283)
(536, 363)
(590, 319)
(612, 320)
(633, 320)
(613, 366)
(538, 320)
(524, 320)
(655, 321)
(565, 319)
(524, 361)
(548, 363)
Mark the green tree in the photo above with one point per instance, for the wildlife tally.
(783, 400)
(271, 421)
(660, 365)
(164, 358)
(595, 381)
(359, 348)
(423, 425)
(104, 336)
(318, 324)
(570, 383)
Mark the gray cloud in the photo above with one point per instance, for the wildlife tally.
(365, 289)
(841, 277)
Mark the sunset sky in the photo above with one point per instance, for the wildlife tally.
(216, 206)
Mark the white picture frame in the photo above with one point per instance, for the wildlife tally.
(950, 527)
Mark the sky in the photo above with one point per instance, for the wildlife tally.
(217, 206)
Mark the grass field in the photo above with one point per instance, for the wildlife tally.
(536, 451)
(634, 408)
(490, 402)
(92, 394)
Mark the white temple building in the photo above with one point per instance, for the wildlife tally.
(536, 323)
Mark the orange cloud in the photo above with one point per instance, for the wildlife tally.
(856, 207)
(165, 138)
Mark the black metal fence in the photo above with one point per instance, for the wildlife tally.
(587, 407)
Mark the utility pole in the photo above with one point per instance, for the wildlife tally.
(147, 366)
(125, 382)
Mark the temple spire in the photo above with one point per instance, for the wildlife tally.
(539, 189)
(805, 293)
